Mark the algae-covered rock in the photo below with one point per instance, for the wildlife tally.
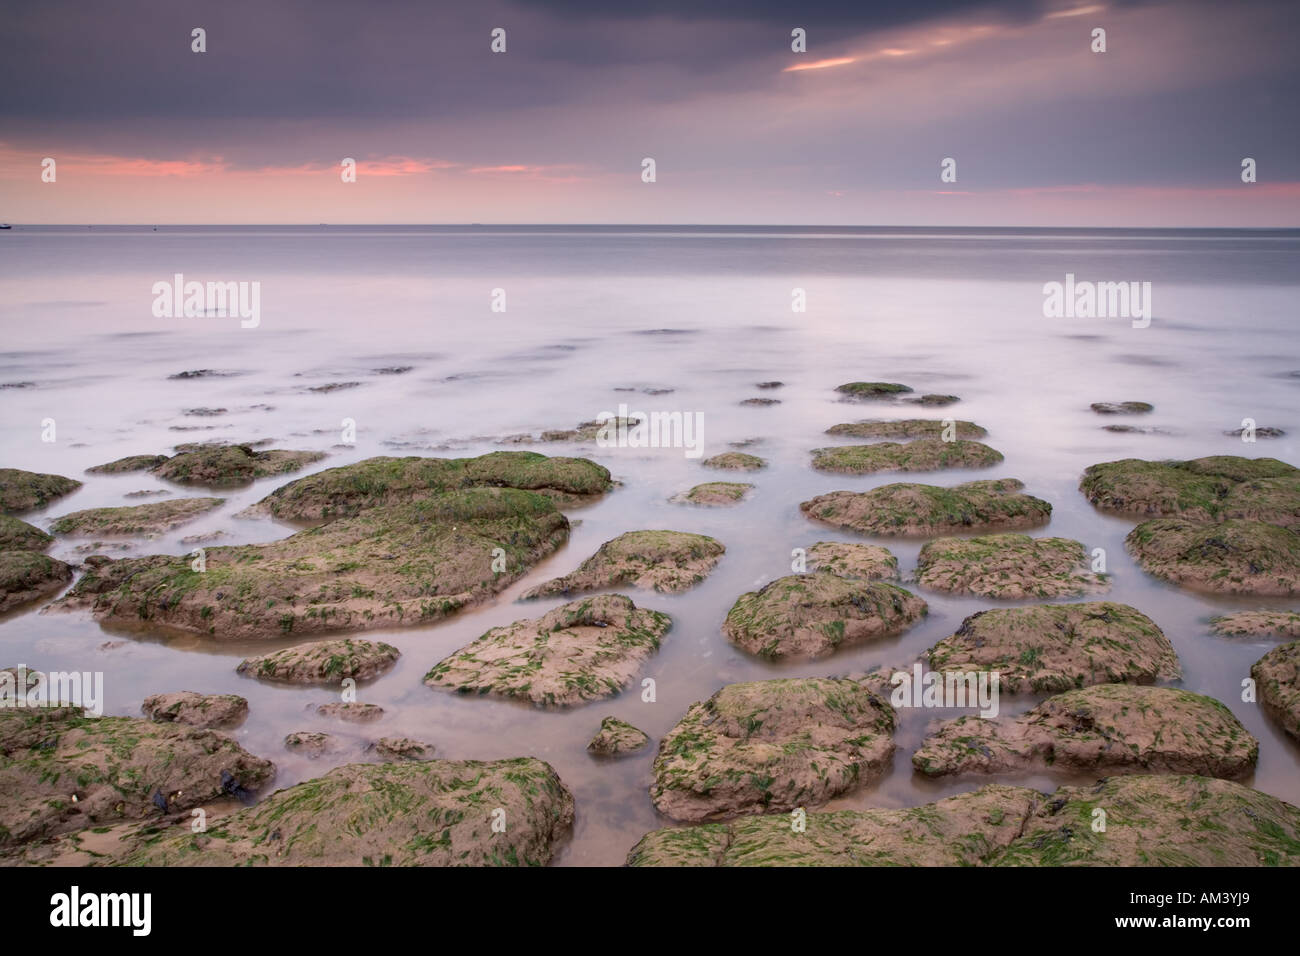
(772, 745)
(908, 428)
(1159, 821)
(28, 575)
(923, 510)
(735, 461)
(196, 710)
(1107, 728)
(351, 711)
(665, 561)
(1008, 566)
(1262, 431)
(715, 493)
(406, 813)
(153, 518)
(1230, 557)
(814, 614)
(218, 465)
(577, 652)
(616, 737)
(934, 400)
(1277, 680)
(923, 454)
(964, 830)
(393, 749)
(350, 489)
(404, 564)
(1151, 820)
(1217, 488)
(857, 562)
(322, 662)
(1257, 624)
(24, 490)
(62, 771)
(128, 464)
(312, 744)
(16, 535)
(1122, 408)
(869, 391)
(1049, 648)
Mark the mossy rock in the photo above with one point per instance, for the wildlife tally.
(907, 428)
(923, 510)
(312, 744)
(352, 711)
(1012, 566)
(196, 710)
(934, 400)
(1230, 557)
(406, 813)
(16, 535)
(221, 465)
(1104, 729)
(616, 737)
(1257, 624)
(61, 771)
(772, 745)
(29, 575)
(872, 390)
(154, 518)
(25, 490)
(713, 493)
(397, 565)
(1151, 820)
(666, 561)
(394, 749)
(128, 464)
(1049, 648)
(1217, 488)
(1122, 408)
(735, 461)
(816, 613)
(923, 454)
(578, 652)
(857, 562)
(1158, 820)
(322, 662)
(964, 830)
(351, 489)
(1277, 681)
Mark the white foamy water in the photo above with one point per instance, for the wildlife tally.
(703, 312)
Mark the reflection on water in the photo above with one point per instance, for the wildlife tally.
(703, 313)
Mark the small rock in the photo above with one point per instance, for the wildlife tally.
(616, 737)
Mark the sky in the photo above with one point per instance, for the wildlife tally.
(1043, 131)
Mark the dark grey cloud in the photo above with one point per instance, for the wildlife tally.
(65, 59)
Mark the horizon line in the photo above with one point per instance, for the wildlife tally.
(627, 225)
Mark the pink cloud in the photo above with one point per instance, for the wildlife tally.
(820, 64)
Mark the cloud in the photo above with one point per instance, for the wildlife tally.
(821, 64)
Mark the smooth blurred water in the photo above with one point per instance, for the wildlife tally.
(705, 312)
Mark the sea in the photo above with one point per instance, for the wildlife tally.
(445, 341)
